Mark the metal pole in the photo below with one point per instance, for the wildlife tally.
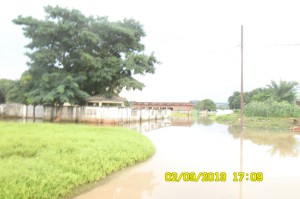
(242, 115)
(242, 80)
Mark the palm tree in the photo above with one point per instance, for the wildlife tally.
(284, 90)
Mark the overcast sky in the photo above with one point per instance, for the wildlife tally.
(197, 43)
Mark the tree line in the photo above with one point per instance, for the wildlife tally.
(281, 91)
(275, 100)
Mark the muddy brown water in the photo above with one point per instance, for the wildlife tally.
(209, 147)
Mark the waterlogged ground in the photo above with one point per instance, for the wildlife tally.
(210, 147)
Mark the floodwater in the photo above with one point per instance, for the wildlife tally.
(205, 146)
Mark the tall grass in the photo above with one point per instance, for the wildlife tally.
(50, 160)
(271, 109)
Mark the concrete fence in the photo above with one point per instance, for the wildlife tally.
(21, 111)
(112, 115)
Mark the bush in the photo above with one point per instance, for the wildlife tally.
(271, 109)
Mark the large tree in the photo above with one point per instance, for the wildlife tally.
(234, 100)
(73, 56)
(206, 104)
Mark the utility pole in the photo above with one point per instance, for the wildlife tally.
(242, 79)
(242, 115)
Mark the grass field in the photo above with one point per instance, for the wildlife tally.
(50, 160)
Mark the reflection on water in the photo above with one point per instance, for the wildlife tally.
(22, 120)
(147, 125)
(282, 143)
(137, 126)
(204, 121)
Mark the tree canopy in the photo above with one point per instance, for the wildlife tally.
(2, 97)
(73, 56)
(206, 104)
(5, 86)
(275, 92)
(284, 90)
(234, 100)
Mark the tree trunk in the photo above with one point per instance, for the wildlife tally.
(33, 115)
(26, 115)
(58, 113)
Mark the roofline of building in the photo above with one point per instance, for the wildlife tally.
(163, 103)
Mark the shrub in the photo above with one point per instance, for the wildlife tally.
(271, 109)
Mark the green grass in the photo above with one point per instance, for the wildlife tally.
(228, 118)
(51, 160)
(254, 122)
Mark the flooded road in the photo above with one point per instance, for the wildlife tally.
(185, 146)
(210, 147)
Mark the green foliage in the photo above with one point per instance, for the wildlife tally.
(17, 93)
(271, 109)
(259, 94)
(19, 90)
(235, 100)
(50, 160)
(127, 103)
(227, 118)
(95, 56)
(263, 94)
(2, 97)
(56, 88)
(206, 104)
(5, 86)
(284, 90)
(268, 124)
(222, 106)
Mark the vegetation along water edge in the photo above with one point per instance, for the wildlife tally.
(273, 106)
(271, 123)
(51, 160)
